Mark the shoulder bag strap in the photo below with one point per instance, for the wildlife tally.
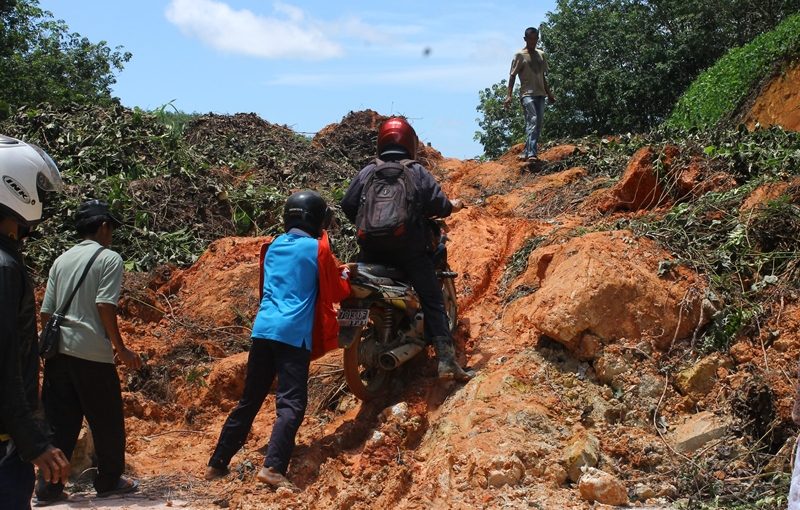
(66, 304)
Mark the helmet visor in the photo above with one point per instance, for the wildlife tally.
(48, 178)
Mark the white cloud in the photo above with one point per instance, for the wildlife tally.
(287, 34)
(289, 31)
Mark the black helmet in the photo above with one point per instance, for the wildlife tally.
(307, 211)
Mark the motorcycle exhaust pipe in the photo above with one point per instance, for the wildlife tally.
(390, 360)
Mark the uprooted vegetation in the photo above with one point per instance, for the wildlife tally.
(180, 182)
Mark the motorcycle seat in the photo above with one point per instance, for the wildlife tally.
(382, 271)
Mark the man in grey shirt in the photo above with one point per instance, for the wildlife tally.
(531, 66)
(82, 381)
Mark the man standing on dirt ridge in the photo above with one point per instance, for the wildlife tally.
(28, 173)
(82, 380)
(531, 67)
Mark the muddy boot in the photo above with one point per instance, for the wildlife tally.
(212, 473)
(448, 368)
(271, 476)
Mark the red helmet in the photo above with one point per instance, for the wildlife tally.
(396, 135)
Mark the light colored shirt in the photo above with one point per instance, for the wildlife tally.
(291, 284)
(82, 332)
(531, 70)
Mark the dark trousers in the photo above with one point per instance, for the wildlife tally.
(421, 272)
(74, 388)
(267, 359)
(16, 479)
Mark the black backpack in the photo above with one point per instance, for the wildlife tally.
(388, 208)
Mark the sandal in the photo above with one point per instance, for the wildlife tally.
(40, 502)
(124, 486)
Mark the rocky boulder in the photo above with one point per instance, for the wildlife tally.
(697, 430)
(605, 286)
(640, 186)
(599, 486)
(582, 452)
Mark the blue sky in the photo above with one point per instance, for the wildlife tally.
(308, 63)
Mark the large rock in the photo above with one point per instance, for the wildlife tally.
(505, 470)
(699, 379)
(83, 454)
(605, 286)
(640, 186)
(599, 486)
(697, 430)
(583, 451)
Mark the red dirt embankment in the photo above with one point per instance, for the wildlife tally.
(581, 347)
(778, 104)
(581, 335)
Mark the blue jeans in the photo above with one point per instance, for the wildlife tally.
(533, 108)
(16, 479)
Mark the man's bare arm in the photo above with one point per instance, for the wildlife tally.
(108, 316)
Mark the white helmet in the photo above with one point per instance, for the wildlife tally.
(26, 172)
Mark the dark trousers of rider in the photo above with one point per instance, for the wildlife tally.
(419, 268)
(267, 359)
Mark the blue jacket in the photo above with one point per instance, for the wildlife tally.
(286, 313)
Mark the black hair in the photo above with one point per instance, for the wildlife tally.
(90, 226)
(531, 29)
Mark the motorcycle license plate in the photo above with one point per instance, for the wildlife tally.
(353, 317)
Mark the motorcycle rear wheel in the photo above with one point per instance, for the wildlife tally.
(365, 378)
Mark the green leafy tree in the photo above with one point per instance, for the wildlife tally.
(620, 65)
(501, 127)
(41, 61)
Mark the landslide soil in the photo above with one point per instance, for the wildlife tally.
(778, 102)
(498, 441)
(427, 444)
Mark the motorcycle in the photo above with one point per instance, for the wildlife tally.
(381, 324)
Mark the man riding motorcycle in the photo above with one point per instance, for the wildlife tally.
(397, 142)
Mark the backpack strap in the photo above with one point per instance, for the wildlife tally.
(65, 306)
(416, 206)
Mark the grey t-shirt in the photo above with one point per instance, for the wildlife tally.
(82, 332)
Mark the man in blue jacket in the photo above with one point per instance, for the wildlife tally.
(282, 339)
(27, 173)
(397, 141)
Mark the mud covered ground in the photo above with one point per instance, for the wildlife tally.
(592, 389)
(507, 439)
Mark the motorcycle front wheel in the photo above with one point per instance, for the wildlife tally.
(450, 302)
(365, 378)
